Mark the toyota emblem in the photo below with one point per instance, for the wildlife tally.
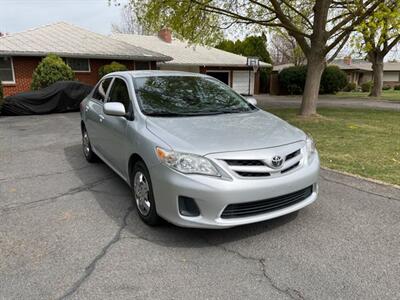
(276, 161)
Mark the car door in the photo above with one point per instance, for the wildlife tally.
(95, 116)
(115, 127)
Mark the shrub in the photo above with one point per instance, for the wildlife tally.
(397, 87)
(366, 86)
(113, 67)
(350, 87)
(50, 70)
(333, 80)
(386, 87)
(293, 79)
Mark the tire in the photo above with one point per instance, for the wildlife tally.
(143, 196)
(87, 147)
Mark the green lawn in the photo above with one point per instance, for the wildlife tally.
(358, 141)
(390, 95)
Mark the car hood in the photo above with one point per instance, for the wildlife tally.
(222, 133)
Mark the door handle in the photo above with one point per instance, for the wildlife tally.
(101, 118)
(87, 108)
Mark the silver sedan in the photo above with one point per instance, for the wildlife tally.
(194, 152)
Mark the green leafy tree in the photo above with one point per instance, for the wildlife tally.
(113, 67)
(378, 34)
(318, 26)
(250, 46)
(50, 70)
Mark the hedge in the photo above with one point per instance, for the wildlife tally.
(293, 80)
(113, 67)
(366, 86)
(50, 70)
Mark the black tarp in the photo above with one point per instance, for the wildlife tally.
(62, 96)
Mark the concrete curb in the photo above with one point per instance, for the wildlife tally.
(363, 178)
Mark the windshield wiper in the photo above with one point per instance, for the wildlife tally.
(165, 114)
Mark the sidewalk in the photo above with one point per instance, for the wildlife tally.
(266, 101)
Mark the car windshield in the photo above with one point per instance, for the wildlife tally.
(187, 96)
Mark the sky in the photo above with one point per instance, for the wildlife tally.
(95, 15)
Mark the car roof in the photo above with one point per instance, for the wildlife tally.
(151, 73)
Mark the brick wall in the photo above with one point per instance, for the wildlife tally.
(25, 66)
(23, 69)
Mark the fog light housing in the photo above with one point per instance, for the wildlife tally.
(188, 207)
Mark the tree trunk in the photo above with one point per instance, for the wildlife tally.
(315, 67)
(377, 73)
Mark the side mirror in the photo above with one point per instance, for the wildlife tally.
(114, 109)
(251, 100)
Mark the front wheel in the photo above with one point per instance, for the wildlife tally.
(143, 195)
(87, 147)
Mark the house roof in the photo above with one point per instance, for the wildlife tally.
(185, 54)
(72, 41)
(356, 65)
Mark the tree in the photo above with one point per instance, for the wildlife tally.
(250, 46)
(128, 23)
(284, 49)
(50, 70)
(378, 35)
(324, 25)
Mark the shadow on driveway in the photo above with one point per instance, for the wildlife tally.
(114, 197)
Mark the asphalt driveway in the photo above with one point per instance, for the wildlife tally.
(68, 230)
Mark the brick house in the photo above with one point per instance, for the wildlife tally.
(84, 51)
(230, 68)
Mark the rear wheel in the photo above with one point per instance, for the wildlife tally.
(143, 195)
(87, 147)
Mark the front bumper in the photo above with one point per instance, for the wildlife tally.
(212, 194)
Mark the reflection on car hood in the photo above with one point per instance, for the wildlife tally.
(222, 133)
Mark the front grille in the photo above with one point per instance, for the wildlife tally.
(293, 154)
(253, 174)
(243, 162)
(260, 168)
(246, 209)
(290, 168)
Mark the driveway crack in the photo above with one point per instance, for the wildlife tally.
(92, 266)
(289, 292)
(13, 207)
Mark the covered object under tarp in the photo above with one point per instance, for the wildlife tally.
(62, 96)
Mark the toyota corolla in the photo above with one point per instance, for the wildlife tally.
(196, 153)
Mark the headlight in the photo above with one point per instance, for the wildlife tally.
(310, 147)
(186, 163)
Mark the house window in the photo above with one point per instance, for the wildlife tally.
(78, 64)
(142, 65)
(6, 70)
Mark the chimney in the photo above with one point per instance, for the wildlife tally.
(165, 34)
(347, 60)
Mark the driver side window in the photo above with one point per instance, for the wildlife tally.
(101, 90)
(119, 93)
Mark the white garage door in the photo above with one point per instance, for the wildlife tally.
(240, 82)
(390, 76)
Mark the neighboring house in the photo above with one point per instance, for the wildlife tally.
(230, 68)
(357, 70)
(360, 71)
(83, 50)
